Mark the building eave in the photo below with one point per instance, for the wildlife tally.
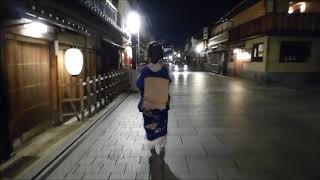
(58, 16)
(241, 6)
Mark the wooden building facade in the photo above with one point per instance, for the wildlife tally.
(270, 40)
(34, 37)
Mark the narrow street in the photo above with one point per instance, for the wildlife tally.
(244, 96)
(219, 128)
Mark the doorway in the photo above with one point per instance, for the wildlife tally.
(238, 67)
(26, 61)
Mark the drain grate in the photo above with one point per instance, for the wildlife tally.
(18, 166)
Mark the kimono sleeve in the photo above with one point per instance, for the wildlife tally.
(140, 81)
(167, 74)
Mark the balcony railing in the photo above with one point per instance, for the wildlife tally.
(218, 39)
(278, 24)
(105, 10)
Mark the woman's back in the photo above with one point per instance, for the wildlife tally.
(153, 83)
(156, 88)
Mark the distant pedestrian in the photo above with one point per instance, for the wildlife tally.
(153, 83)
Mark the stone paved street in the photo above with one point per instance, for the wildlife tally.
(219, 129)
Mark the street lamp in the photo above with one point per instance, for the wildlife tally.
(133, 24)
(199, 47)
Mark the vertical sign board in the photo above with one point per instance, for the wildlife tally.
(205, 33)
(56, 47)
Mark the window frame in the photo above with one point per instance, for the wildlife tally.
(305, 56)
(256, 47)
(231, 56)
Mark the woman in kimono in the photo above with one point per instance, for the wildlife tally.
(153, 83)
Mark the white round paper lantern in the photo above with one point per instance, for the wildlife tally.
(73, 61)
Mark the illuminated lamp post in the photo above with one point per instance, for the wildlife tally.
(133, 24)
(199, 48)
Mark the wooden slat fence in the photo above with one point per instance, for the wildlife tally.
(94, 93)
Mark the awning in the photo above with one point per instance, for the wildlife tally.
(238, 45)
(112, 43)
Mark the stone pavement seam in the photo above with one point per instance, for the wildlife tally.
(44, 170)
(237, 165)
(204, 149)
(185, 157)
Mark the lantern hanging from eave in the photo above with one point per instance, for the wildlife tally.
(73, 61)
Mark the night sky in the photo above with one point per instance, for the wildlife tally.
(176, 20)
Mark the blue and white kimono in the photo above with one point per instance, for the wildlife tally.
(155, 120)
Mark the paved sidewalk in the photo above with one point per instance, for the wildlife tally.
(219, 129)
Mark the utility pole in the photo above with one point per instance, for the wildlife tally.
(135, 51)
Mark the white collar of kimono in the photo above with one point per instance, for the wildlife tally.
(155, 67)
